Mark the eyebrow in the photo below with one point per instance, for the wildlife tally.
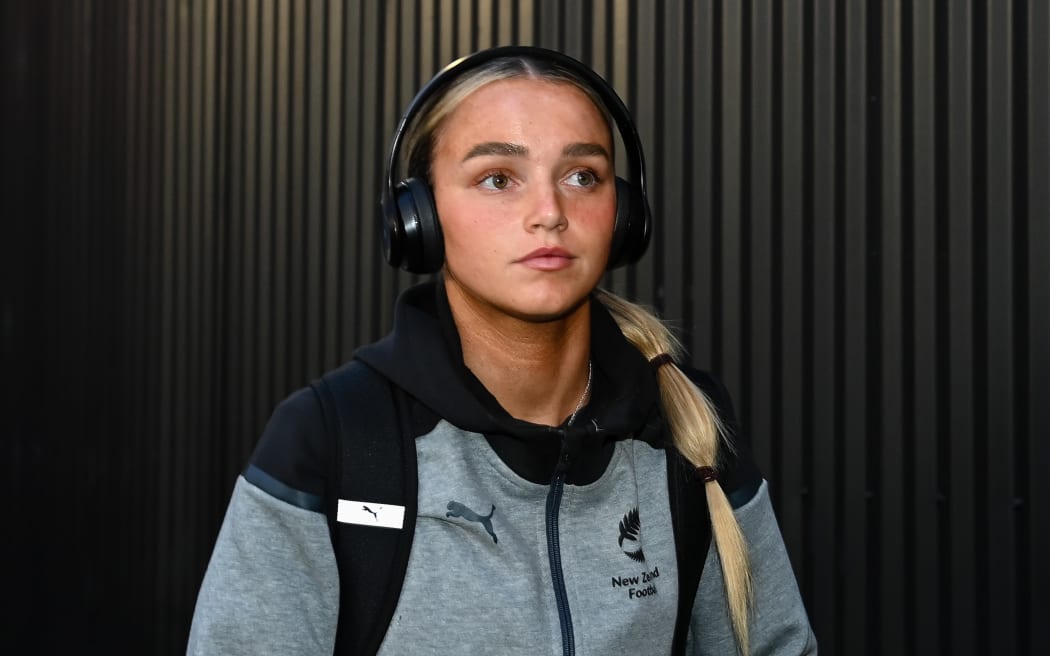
(497, 148)
(517, 150)
(586, 150)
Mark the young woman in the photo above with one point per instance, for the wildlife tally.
(578, 491)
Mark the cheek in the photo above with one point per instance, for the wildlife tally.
(468, 235)
(597, 216)
(461, 213)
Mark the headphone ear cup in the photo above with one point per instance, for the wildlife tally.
(393, 232)
(631, 229)
(422, 246)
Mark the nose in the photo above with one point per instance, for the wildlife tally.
(548, 211)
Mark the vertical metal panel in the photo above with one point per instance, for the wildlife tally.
(922, 322)
(674, 182)
(445, 27)
(276, 313)
(997, 422)
(332, 136)
(387, 110)
(352, 166)
(889, 484)
(371, 150)
(485, 23)
(824, 395)
(853, 366)
(700, 126)
(640, 93)
(757, 220)
(314, 170)
(727, 192)
(505, 22)
(132, 453)
(169, 387)
(1036, 383)
(963, 591)
(791, 440)
(266, 185)
(244, 206)
(618, 74)
(156, 418)
(574, 32)
(852, 213)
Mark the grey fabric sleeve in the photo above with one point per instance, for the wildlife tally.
(272, 586)
(779, 623)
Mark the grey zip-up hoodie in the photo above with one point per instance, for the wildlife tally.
(528, 539)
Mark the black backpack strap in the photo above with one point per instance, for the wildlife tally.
(692, 537)
(372, 484)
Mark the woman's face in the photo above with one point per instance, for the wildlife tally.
(525, 189)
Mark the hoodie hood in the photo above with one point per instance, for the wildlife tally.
(423, 356)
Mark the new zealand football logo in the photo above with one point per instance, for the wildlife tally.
(630, 528)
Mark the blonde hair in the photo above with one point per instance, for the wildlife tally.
(698, 435)
(421, 137)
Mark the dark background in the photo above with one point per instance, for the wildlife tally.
(853, 231)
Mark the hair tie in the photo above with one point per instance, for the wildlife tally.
(661, 360)
(706, 474)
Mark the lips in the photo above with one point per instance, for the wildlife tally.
(547, 259)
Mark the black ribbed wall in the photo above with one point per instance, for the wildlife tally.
(853, 230)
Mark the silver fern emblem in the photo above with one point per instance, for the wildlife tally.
(630, 527)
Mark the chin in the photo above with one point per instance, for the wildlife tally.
(547, 309)
(531, 301)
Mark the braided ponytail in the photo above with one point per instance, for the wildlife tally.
(697, 433)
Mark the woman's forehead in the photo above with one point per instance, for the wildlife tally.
(509, 102)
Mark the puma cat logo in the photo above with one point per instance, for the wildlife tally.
(370, 512)
(456, 509)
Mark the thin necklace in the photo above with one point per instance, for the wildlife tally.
(586, 393)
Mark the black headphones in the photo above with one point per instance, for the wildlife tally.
(411, 231)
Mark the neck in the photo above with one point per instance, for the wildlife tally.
(538, 371)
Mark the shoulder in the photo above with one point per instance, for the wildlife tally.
(294, 446)
(299, 448)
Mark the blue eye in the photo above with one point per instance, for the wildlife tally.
(583, 179)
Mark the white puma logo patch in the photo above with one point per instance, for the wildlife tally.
(369, 513)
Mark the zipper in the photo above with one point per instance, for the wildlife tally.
(554, 494)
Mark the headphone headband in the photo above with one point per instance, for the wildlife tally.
(402, 240)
